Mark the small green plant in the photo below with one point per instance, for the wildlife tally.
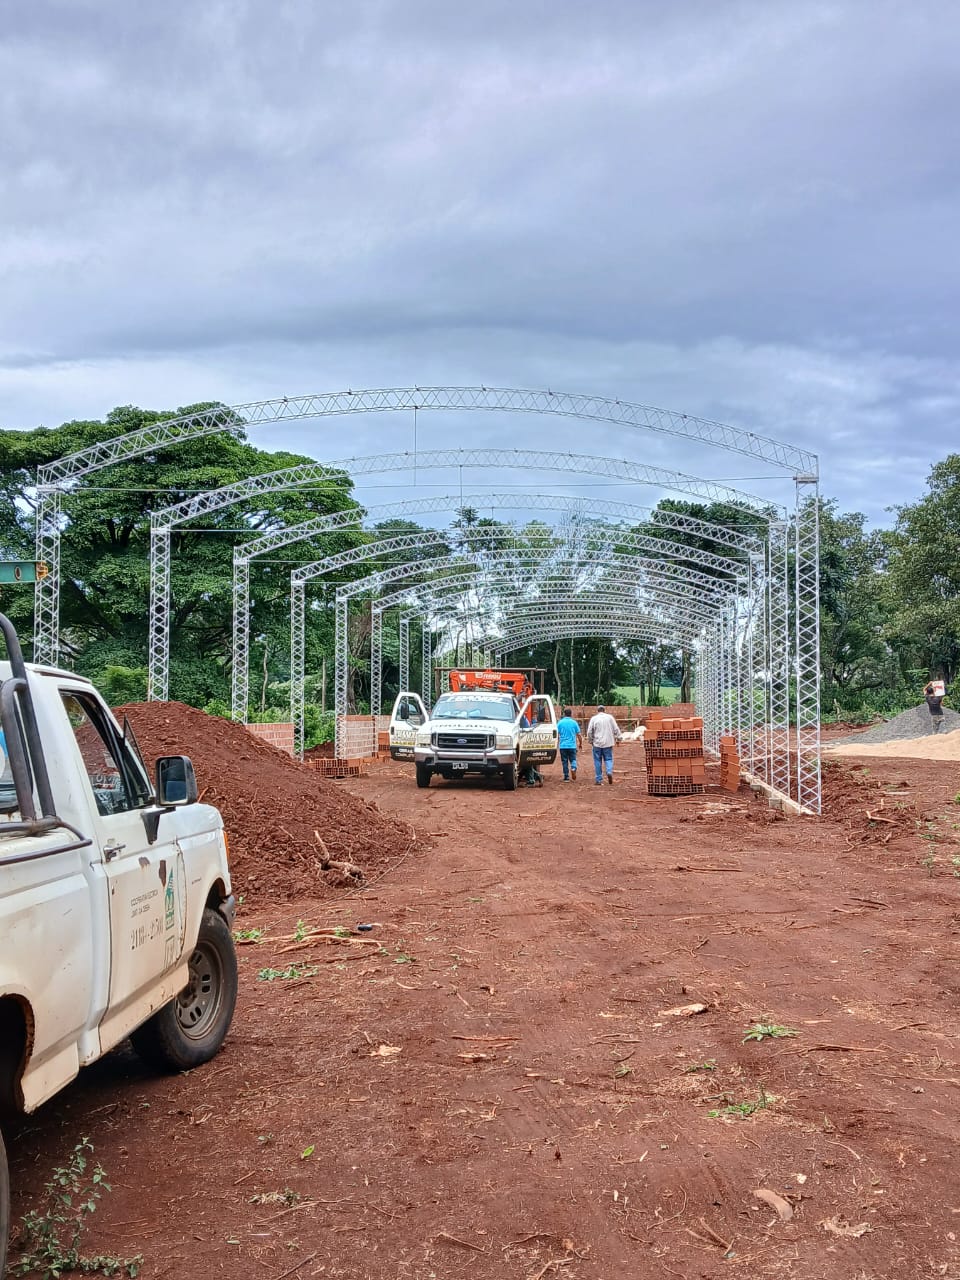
(740, 1110)
(291, 971)
(342, 931)
(307, 1152)
(709, 1065)
(402, 958)
(50, 1236)
(955, 863)
(621, 1070)
(956, 798)
(248, 935)
(929, 863)
(300, 931)
(768, 1031)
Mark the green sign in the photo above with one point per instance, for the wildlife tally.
(22, 570)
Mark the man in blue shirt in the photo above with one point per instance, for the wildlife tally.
(569, 738)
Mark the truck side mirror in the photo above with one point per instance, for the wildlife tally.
(176, 781)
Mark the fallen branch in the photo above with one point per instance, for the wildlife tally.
(444, 1235)
(484, 1039)
(297, 1265)
(550, 1263)
(845, 1048)
(725, 1245)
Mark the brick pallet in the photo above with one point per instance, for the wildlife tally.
(674, 756)
(330, 767)
(729, 763)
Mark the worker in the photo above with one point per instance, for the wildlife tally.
(569, 738)
(934, 694)
(602, 733)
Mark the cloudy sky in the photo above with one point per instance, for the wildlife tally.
(744, 209)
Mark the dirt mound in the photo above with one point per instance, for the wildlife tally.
(271, 804)
(916, 722)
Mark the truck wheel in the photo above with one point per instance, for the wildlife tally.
(4, 1205)
(190, 1029)
(511, 776)
(424, 774)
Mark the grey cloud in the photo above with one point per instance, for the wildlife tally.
(762, 195)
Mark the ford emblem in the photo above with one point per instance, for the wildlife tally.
(461, 742)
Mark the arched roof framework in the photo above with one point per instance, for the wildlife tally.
(797, 638)
(164, 520)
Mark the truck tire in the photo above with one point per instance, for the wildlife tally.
(191, 1029)
(424, 774)
(511, 776)
(4, 1205)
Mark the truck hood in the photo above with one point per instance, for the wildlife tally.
(473, 725)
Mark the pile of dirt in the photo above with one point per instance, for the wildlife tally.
(271, 804)
(916, 722)
(873, 811)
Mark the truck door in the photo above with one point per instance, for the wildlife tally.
(538, 743)
(145, 882)
(408, 715)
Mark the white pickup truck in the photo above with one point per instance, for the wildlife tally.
(474, 731)
(115, 900)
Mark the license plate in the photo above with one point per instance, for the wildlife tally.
(459, 764)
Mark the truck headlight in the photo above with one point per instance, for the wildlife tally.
(423, 738)
(504, 741)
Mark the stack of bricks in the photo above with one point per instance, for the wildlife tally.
(674, 751)
(383, 745)
(729, 763)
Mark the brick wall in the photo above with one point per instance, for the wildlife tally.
(630, 717)
(278, 735)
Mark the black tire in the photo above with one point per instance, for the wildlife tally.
(511, 776)
(424, 774)
(4, 1204)
(191, 1029)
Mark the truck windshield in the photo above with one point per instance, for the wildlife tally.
(459, 706)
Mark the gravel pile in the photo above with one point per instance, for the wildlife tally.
(915, 723)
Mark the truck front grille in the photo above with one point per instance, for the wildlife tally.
(463, 741)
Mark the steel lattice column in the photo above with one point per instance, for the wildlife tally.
(807, 627)
(240, 673)
(46, 594)
(426, 663)
(376, 659)
(297, 663)
(341, 675)
(158, 651)
(778, 639)
(405, 652)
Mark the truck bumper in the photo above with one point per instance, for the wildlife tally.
(489, 762)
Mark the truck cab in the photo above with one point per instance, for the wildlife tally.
(477, 731)
(115, 898)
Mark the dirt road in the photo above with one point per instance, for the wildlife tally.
(494, 1082)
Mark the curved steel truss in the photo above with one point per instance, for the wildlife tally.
(750, 610)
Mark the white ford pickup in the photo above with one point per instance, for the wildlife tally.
(474, 731)
(115, 900)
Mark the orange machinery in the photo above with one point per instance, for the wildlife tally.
(516, 682)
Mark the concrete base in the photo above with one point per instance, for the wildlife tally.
(776, 799)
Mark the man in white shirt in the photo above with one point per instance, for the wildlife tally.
(602, 732)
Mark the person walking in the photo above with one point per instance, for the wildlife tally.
(569, 738)
(602, 732)
(934, 694)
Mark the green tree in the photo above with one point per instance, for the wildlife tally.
(105, 550)
(922, 589)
